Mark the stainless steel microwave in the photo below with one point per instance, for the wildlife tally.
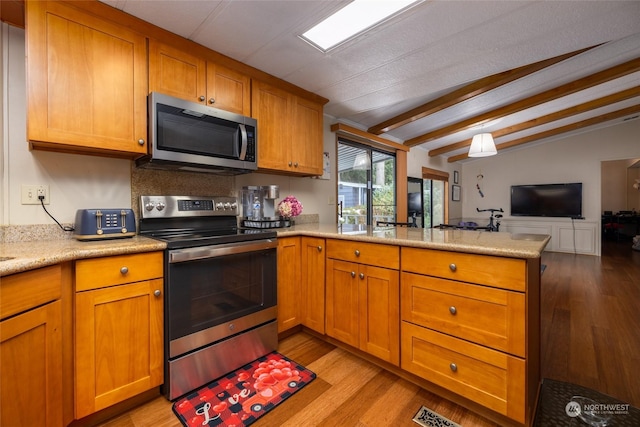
(189, 136)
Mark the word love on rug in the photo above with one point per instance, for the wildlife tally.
(428, 418)
(241, 397)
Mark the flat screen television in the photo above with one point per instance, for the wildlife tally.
(415, 203)
(551, 200)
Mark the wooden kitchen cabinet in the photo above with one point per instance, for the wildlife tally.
(176, 72)
(289, 131)
(118, 330)
(363, 297)
(312, 279)
(470, 324)
(289, 289)
(87, 82)
(31, 349)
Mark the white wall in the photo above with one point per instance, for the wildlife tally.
(575, 158)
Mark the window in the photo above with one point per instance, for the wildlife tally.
(434, 195)
(366, 183)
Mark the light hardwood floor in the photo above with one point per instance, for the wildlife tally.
(590, 336)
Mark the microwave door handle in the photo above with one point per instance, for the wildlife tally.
(243, 141)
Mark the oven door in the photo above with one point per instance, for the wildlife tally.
(217, 291)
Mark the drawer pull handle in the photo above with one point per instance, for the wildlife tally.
(452, 267)
(357, 252)
(353, 274)
(319, 248)
(362, 275)
(157, 292)
(124, 270)
(453, 310)
(453, 367)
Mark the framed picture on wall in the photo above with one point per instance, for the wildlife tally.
(456, 177)
(455, 193)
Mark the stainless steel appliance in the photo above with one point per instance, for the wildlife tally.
(188, 136)
(220, 288)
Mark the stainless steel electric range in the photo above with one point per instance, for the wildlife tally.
(220, 288)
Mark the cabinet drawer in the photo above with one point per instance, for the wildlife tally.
(386, 256)
(97, 273)
(507, 273)
(488, 377)
(487, 316)
(24, 291)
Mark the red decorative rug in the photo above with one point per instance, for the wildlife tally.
(241, 397)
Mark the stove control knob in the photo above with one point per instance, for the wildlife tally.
(234, 206)
(149, 206)
(227, 206)
(219, 206)
(160, 206)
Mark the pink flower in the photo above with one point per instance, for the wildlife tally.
(289, 207)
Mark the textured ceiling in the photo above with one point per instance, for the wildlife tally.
(428, 52)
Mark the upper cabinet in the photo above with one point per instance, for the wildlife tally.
(176, 72)
(87, 82)
(289, 131)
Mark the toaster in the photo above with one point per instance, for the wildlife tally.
(95, 224)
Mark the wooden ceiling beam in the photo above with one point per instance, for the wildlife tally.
(559, 130)
(592, 80)
(469, 91)
(562, 114)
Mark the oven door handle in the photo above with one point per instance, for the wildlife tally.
(204, 252)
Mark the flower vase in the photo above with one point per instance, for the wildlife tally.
(286, 222)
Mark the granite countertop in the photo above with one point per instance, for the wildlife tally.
(25, 256)
(469, 241)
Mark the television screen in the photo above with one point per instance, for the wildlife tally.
(553, 200)
(415, 203)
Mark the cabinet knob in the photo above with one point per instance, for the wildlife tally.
(212, 100)
(295, 165)
(202, 98)
(453, 310)
(361, 275)
(157, 292)
(141, 141)
(452, 267)
(453, 367)
(290, 163)
(319, 248)
(357, 252)
(353, 274)
(124, 270)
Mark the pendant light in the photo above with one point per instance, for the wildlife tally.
(482, 145)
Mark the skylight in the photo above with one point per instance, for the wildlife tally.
(353, 19)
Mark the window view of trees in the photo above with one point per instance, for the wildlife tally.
(366, 184)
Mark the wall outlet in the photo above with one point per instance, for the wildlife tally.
(30, 194)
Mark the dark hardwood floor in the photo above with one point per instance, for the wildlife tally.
(590, 336)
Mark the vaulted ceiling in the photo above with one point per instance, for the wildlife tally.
(526, 71)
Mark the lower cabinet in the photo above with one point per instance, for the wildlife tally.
(363, 301)
(31, 349)
(118, 329)
(301, 283)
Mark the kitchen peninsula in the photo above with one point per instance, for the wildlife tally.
(454, 311)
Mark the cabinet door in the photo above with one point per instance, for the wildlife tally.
(176, 72)
(228, 89)
(87, 82)
(307, 141)
(379, 308)
(272, 108)
(31, 368)
(289, 295)
(118, 344)
(342, 301)
(312, 280)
